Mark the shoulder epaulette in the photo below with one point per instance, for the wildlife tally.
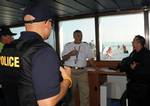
(86, 42)
(68, 43)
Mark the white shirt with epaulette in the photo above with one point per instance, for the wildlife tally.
(85, 52)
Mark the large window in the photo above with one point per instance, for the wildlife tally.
(149, 28)
(117, 33)
(51, 40)
(87, 26)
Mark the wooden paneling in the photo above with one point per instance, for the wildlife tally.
(107, 63)
(94, 82)
(96, 79)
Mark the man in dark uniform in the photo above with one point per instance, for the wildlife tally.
(39, 81)
(138, 73)
(6, 37)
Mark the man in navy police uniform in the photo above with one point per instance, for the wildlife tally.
(39, 78)
(6, 37)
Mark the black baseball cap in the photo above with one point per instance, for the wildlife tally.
(40, 11)
(6, 31)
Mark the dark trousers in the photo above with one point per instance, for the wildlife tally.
(2, 100)
(123, 98)
(138, 94)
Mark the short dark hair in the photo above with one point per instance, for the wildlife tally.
(140, 39)
(77, 31)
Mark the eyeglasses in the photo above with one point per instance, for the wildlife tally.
(51, 21)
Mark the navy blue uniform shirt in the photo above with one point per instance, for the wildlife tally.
(45, 69)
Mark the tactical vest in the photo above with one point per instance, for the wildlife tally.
(16, 72)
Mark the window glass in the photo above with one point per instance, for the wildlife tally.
(17, 30)
(87, 26)
(149, 28)
(116, 34)
(51, 40)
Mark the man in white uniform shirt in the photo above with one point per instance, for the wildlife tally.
(75, 55)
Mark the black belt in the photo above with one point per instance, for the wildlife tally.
(77, 68)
